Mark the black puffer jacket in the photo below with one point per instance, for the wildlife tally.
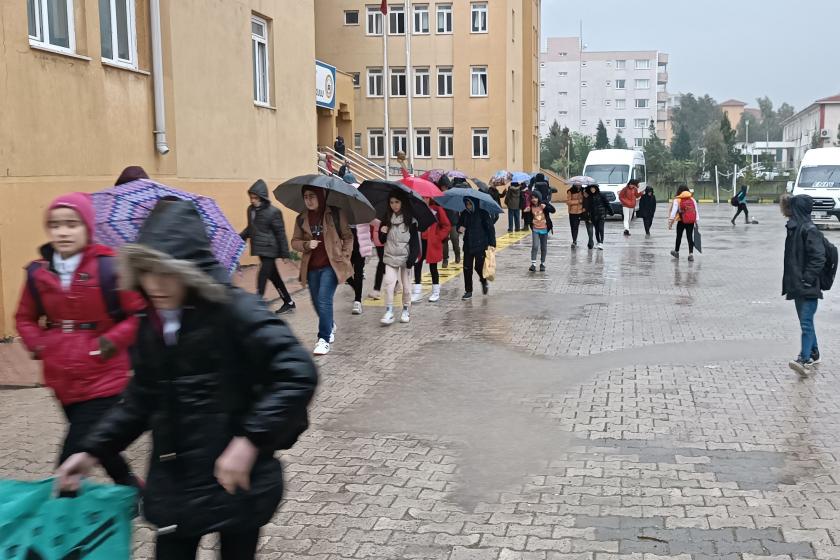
(596, 205)
(804, 252)
(236, 370)
(647, 204)
(266, 229)
(479, 232)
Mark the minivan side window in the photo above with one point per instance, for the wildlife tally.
(639, 173)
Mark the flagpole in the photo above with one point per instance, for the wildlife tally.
(386, 83)
(409, 86)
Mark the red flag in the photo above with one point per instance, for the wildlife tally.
(383, 7)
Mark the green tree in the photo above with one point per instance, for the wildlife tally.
(619, 143)
(681, 146)
(756, 130)
(657, 156)
(695, 114)
(815, 140)
(729, 137)
(602, 141)
(716, 151)
(551, 146)
(581, 146)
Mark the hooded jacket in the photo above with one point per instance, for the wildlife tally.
(574, 201)
(436, 235)
(804, 252)
(540, 184)
(647, 204)
(513, 197)
(479, 232)
(266, 228)
(596, 204)
(235, 370)
(628, 195)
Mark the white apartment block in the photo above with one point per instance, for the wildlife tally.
(625, 89)
(821, 119)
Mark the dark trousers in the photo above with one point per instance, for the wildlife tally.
(648, 220)
(456, 244)
(742, 207)
(268, 271)
(418, 267)
(234, 546)
(574, 222)
(473, 262)
(689, 235)
(527, 219)
(83, 417)
(380, 269)
(358, 261)
(513, 219)
(599, 230)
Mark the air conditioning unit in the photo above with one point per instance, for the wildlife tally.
(825, 133)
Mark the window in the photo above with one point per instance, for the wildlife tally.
(444, 79)
(423, 143)
(582, 123)
(639, 142)
(583, 84)
(374, 21)
(643, 64)
(478, 17)
(374, 81)
(376, 143)
(607, 103)
(357, 80)
(563, 54)
(620, 84)
(513, 86)
(478, 75)
(639, 173)
(444, 18)
(621, 123)
(583, 102)
(563, 92)
(620, 64)
(396, 20)
(620, 103)
(117, 31)
(643, 84)
(563, 113)
(51, 24)
(609, 83)
(640, 123)
(357, 141)
(446, 143)
(642, 104)
(399, 142)
(351, 17)
(562, 74)
(421, 82)
(398, 86)
(480, 143)
(662, 105)
(421, 19)
(542, 103)
(259, 46)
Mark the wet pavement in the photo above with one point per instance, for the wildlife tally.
(622, 405)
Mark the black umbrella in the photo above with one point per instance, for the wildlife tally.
(339, 194)
(379, 193)
(482, 186)
(698, 239)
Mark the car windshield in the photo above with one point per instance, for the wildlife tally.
(608, 174)
(820, 177)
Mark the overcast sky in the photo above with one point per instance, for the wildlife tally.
(742, 49)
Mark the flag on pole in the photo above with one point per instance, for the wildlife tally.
(383, 7)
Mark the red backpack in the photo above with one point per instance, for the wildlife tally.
(688, 211)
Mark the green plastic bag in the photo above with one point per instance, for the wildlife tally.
(35, 524)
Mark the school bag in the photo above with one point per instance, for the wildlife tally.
(734, 201)
(688, 211)
(829, 270)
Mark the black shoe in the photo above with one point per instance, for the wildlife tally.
(457, 260)
(485, 287)
(590, 246)
(542, 268)
(286, 307)
(445, 264)
(532, 268)
(510, 231)
(815, 357)
(733, 221)
(626, 233)
(466, 296)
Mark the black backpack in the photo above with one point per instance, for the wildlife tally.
(829, 270)
(734, 201)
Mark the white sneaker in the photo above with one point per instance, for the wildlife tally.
(405, 317)
(357, 308)
(435, 293)
(388, 318)
(417, 293)
(332, 333)
(600, 246)
(375, 294)
(323, 347)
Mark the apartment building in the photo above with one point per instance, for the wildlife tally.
(468, 69)
(204, 95)
(817, 125)
(627, 90)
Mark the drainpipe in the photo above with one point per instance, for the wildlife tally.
(157, 78)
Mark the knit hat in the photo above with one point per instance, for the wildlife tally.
(131, 173)
(82, 204)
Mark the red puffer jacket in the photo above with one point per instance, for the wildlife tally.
(628, 196)
(69, 368)
(436, 235)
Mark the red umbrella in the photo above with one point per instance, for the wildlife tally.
(423, 187)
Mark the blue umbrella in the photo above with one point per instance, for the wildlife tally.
(520, 177)
(454, 199)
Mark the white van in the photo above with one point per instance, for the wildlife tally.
(612, 169)
(819, 178)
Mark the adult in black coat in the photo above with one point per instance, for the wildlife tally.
(219, 380)
(340, 147)
(597, 208)
(540, 184)
(479, 233)
(267, 233)
(647, 208)
(444, 184)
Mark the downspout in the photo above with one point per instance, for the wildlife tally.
(157, 78)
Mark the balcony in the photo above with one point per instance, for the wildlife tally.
(662, 77)
(663, 58)
(662, 115)
(662, 96)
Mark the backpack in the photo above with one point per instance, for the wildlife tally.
(107, 284)
(688, 211)
(734, 201)
(829, 270)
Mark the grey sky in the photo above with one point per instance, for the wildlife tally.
(739, 49)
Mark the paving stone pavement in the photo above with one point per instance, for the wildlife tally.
(621, 406)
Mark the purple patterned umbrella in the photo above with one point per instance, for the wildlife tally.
(433, 175)
(121, 210)
(456, 174)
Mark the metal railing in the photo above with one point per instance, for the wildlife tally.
(360, 166)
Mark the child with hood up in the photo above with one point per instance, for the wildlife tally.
(477, 226)
(598, 208)
(577, 213)
(647, 208)
(541, 226)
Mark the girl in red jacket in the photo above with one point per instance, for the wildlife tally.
(72, 318)
(433, 239)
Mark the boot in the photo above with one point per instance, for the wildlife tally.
(435, 293)
(416, 293)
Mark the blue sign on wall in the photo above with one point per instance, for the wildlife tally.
(324, 85)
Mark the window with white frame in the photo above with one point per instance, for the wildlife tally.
(621, 123)
(607, 103)
(609, 83)
(478, 17)
(620, 103)
(642, 103)
(620, 64)
(640, 123)
(478, 81)
(563, 113)
(444, 80)
(446, 143)
(620, 84)
(117, 31)
(357, 80)
(423, 143)
(396, 20)
(399, 142)
(642, 64)
(583, 84)
(640, 142)
(259, 48)
(351, 17)
(357, 141)
(643, 84)
(398, 86)
(582, 123)
(374, 21)
(376, 143)
(421, 82)
(51, 24)
(480, 143)
(444, 18)
(583, 102)
(374, 82)
(608, 122)
(421, 19)
(562, 93)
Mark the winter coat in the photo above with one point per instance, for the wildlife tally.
(647, 205)
(365, 241)
(628, 196)
(401, 245)
(266, 229)
(235, 370)
(574, 200)
(339, 244)
(513, 197)
(69, 369)
(547, 212)
(675, 207)
(597, 206)
(437, 235)
(494, 192)
(804, 252)
(742, 196)
(479, 232)
(541, 186)
(374, 233)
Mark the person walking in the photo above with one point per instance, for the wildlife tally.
(647, 209)
(401, 238)
(219, 380)
(741, 199)
(540, 218)
(362, 249)
(686, 212)
(577, 214)
(513, 199)
(540, 184)
(628, 196)
(479, 233)
(379, 247)
(444, 184)
(433, 240)
(72, 318)
(340, 147)
(323, 238)
(805, 258)
(267, 233)
(525, 201)
(597, 208)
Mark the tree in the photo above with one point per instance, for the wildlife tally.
(716, 153)
(681, 146)
(755, 127)
(657, 155)
(815, 140)
(695, 114)
(551, 147)
(733, 156)
(619, 143)
(581, 146)
(602, 141)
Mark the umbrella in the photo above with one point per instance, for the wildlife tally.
(482, 186)
(456, 175)
(453, 199)
(379, 192)
(582, 180)
(698, 241)
(423, 187)
(520, 177)
(339, 194)
(121, 211)
(501, 176)
(433, 175)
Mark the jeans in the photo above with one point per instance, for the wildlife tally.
(539, 241)
(322, 285)
(393, 274)
(742, 207)
(599, 230)
(455, 239)
(83, 417)
(234, 546)
(689, 235)
(513, 219)
(418, 268)
(628, 215)
(473, 261)
(268, 271)
(806, 309)
(648, 220)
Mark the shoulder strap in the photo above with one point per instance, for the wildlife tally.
(108, 286)
(33, 289)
